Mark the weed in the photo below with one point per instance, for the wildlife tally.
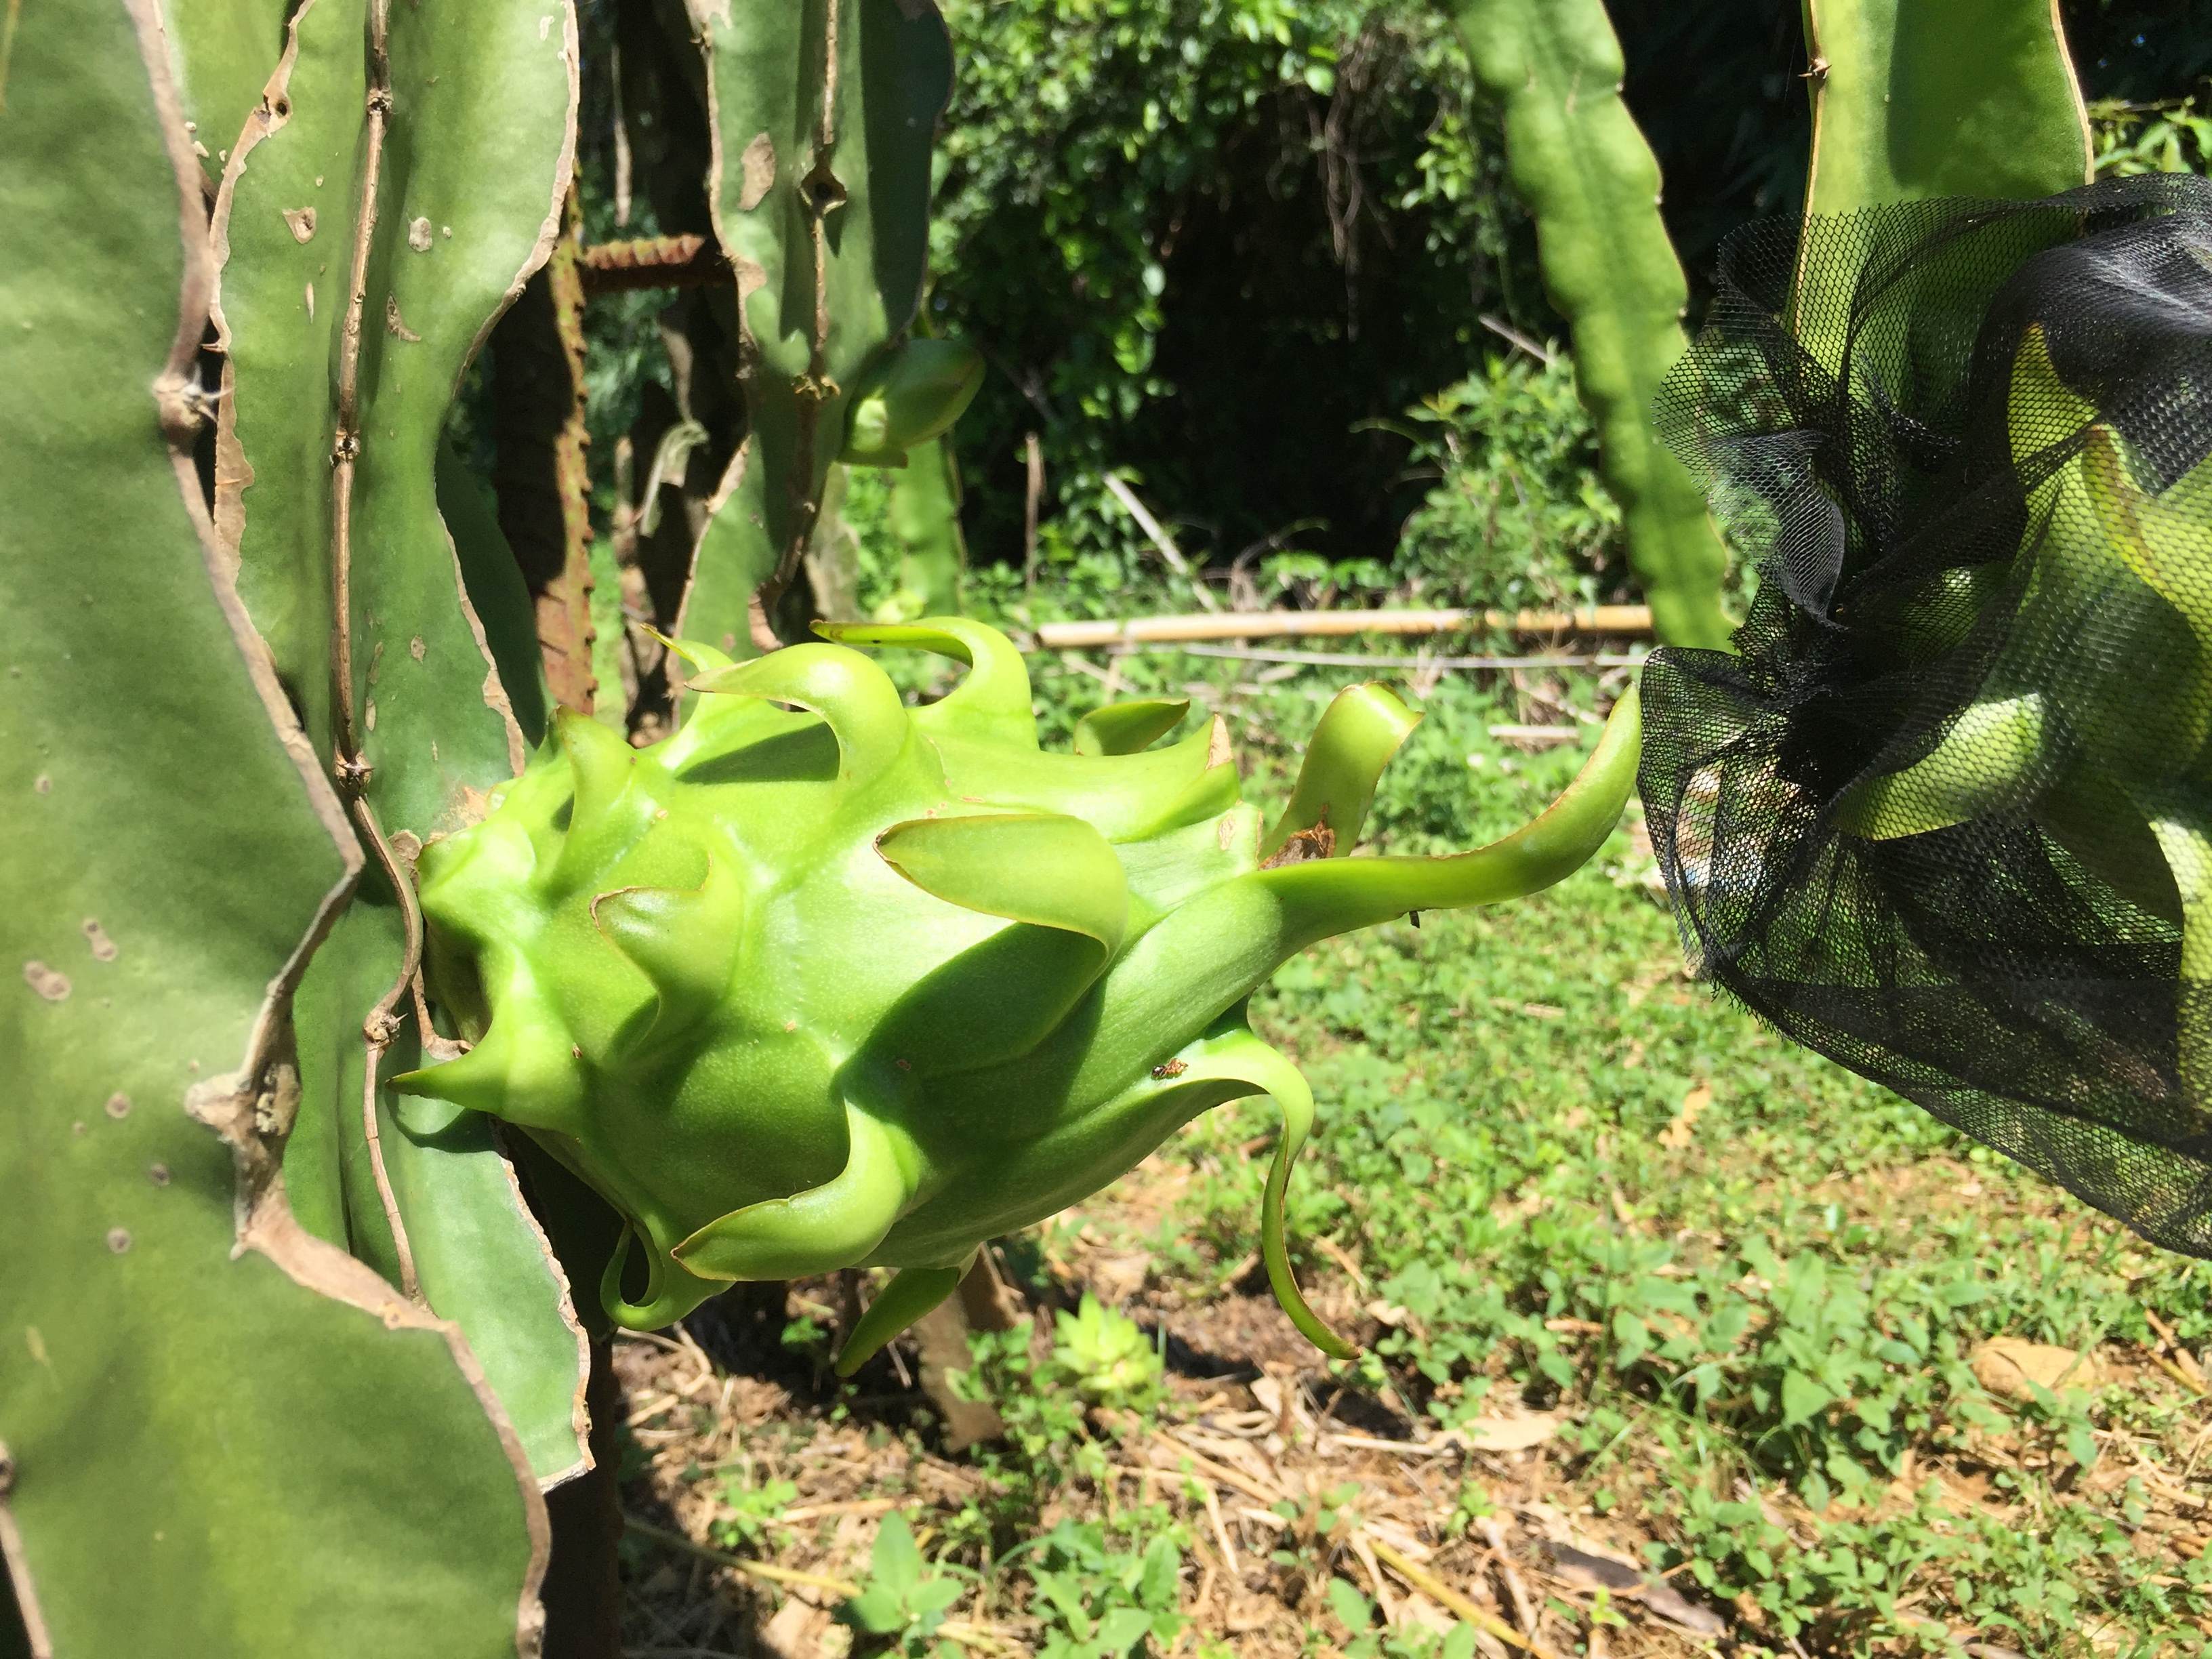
(1106, 1590)
(1357, 1615)
(901, 1604)
(755, 1512)
(1107, 1357)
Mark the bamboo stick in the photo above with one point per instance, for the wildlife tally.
(1377, 659)
(1619, 619)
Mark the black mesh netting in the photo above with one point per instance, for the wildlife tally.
(1947, 817)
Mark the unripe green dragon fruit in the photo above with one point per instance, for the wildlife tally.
(824, 981)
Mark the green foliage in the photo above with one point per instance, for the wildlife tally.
(1853, 1587)
(1048, 1436)
(2172, 136)
(1203, 238)
(1106, 1356)
(1057, 1430)
(1765, 1313)
(1513, 513)
(1818, 1351)
(908, 554)
(755, 1512)
(1517, 517)
(900, 1601)
(1357, 1615)
(1102, 1598)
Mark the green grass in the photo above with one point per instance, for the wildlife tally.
(1787, 1294)
(1577, 1177)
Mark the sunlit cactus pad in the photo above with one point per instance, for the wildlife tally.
(824, 981)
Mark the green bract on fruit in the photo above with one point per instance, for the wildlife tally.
(917, 393)
(822, 980)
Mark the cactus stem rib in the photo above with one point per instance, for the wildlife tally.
(378, 1030)
(814, 110)
(345, 444)
(382, 1023)
(820, 195)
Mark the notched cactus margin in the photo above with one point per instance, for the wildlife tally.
(210, 953)
(345, 186)
(822, 981)
(354, 386)
(252, 1108)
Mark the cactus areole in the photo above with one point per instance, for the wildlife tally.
(824, 981)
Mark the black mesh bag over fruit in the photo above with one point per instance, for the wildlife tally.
(1947, 816)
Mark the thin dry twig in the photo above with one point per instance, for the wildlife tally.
(1376, 659)
(1032, 504)
(1444, 1596)
(1623, 619)
(1157, 533)
(2183, 1361)
(1513, 337)
(2195, 1384)
(842, 1587)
